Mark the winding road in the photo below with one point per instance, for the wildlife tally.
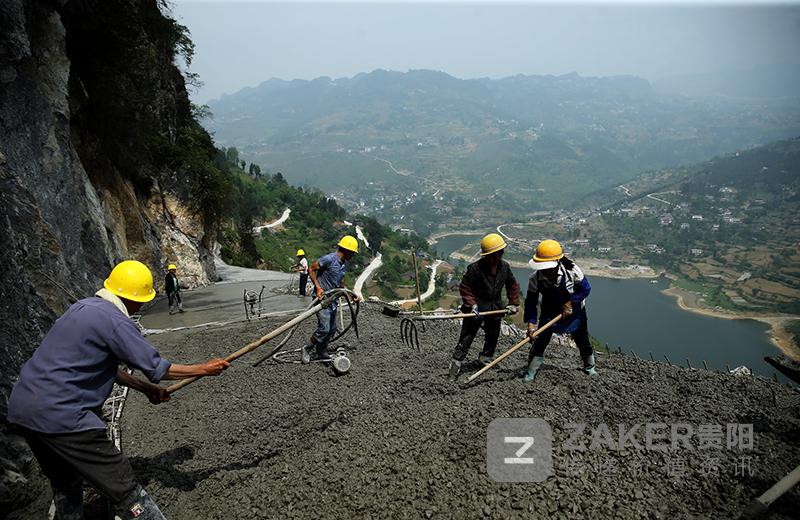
(364, 276)
(283, 218)
(428, 292)
(653, 197)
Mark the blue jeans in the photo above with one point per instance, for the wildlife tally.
(326, 328)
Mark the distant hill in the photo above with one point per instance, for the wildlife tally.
(388, 134)
(768, 81)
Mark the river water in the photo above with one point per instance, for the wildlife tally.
(450, 243)
(636, 315)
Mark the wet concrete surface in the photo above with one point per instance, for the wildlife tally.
(394, 438)
(224, 301)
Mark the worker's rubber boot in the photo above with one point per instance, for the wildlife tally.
(588, 365)
(138, 505)
(305, 355)
(322, 353)
(69, 502)
(484, 360)
(180, 307)
(533, 368)
(455, 369)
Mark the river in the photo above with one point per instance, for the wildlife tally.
(451, 243)
(635, 314)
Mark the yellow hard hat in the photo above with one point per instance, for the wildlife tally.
(170, 267)
(300, 252)
(492, 243)
(548, 251)
(131, 280)
(349, 242)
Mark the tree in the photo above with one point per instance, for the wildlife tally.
(255, 170)
(232, 154)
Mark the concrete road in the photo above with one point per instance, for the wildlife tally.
(223, 301)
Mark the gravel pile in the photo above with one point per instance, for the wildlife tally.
(395, 438)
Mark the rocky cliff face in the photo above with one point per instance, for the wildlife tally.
(84, 87)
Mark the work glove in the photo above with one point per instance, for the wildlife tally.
(512, 309)
(475, 311)
(214, 367)
(566, 309)
(156, 394)
(532, 327)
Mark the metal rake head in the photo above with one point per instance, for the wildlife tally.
(409, 333)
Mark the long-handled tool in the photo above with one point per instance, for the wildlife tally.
(513, 349)
(353, 324)
(328, 300)
(416, 278)
(410, 334)
(760, 506)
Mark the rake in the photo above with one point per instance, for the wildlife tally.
(410, 334)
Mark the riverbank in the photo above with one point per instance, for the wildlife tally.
(600, 267)
(778, 333)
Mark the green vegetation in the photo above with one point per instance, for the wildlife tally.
(727, 229)
(315, 225)
(398, 268)
(486, 150)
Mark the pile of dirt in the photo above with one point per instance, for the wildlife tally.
(395, 438)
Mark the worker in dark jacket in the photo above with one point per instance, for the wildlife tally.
(56, 403)
(481, 290)
(173, 289)
(563, 289)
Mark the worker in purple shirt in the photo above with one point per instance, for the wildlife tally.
(56, 403)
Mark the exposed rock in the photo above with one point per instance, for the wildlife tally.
(75, 196)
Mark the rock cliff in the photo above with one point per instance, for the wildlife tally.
(90, 97)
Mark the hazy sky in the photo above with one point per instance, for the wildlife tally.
(244, 43)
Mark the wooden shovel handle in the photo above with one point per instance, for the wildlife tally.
(513, 349)
(252, 346)
(501, 312)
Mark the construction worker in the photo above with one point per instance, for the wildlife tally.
(56, 403)
(564, 289)
(481, 290)
(173, 289)
(326, 274)
(302, 268)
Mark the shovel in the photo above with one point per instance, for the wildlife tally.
(513, 349)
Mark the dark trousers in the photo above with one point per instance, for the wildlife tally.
(303, 283)
(70, 458)
(580, 335)
(174, 298)
(469, 328)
